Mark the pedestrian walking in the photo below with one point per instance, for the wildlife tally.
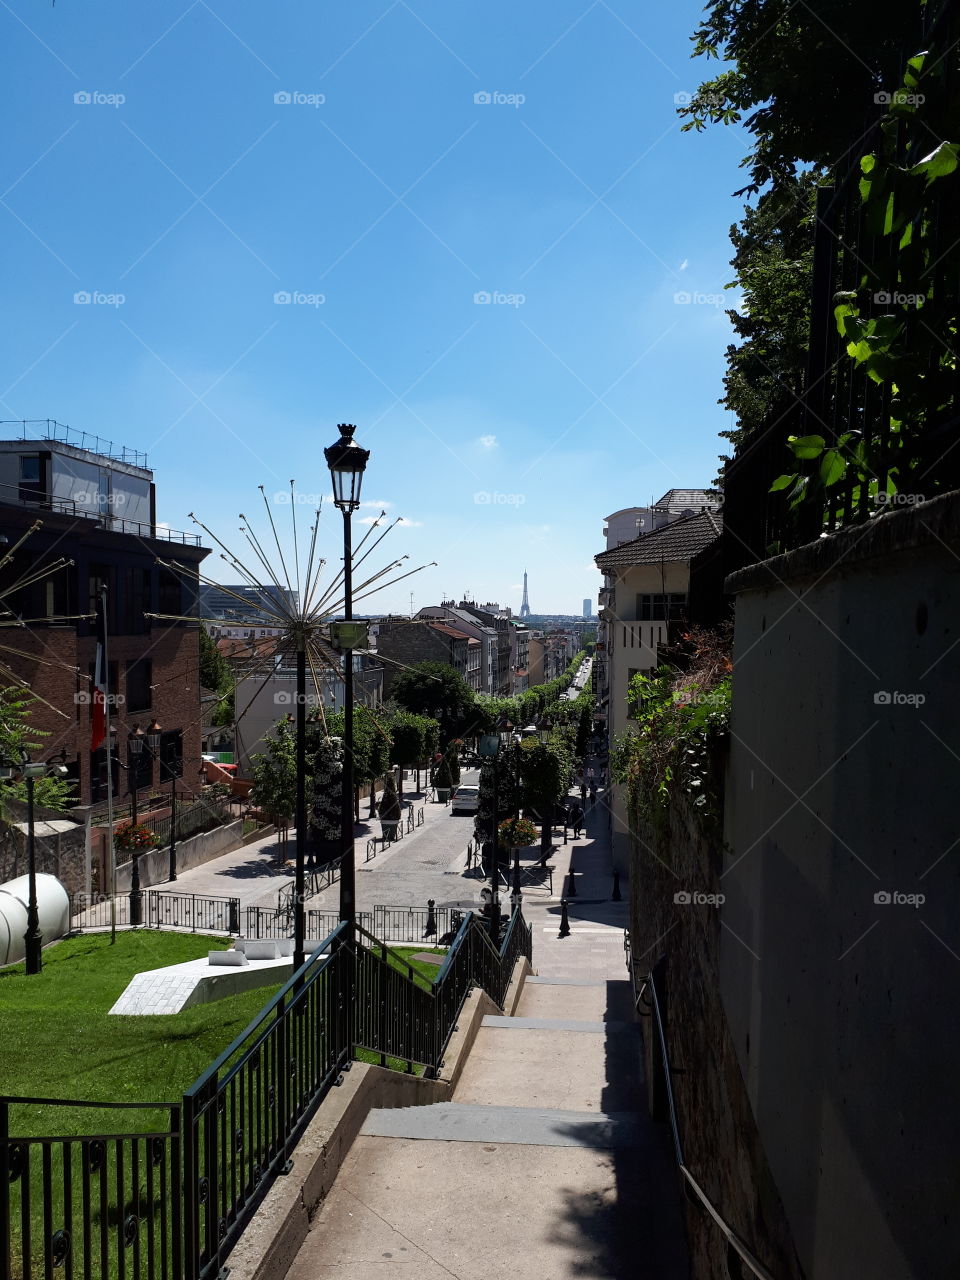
(593, 792)
(590, 774)
(583, 793)
(576, 821)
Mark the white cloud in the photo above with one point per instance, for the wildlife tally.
(684, 264)
(410, 524)
(487, 442)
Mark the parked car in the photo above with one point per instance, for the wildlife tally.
(465, 799)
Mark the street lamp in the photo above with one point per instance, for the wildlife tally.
(135, 741)
(489, 749)
(347, 462)
(33, 938)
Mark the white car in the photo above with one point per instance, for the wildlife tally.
(465, 800)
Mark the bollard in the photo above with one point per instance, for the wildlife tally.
(616, 887)
(564, 922)
(431, 930)
(571, 883)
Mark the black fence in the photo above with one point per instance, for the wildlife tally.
(315, 881)
(170, 1200)
(185, 911)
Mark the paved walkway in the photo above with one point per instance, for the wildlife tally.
(546, 1160)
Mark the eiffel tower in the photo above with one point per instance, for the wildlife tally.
(525, 606)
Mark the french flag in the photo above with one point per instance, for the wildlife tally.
(98, 722)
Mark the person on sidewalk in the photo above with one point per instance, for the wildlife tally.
(576, 820)
(593, 791)
(583, 793)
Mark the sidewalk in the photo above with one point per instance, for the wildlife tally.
(547, 1157)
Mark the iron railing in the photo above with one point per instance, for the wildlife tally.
(661, 1090)
(191, 911)
(98, 1206)
(169, 1203)
(314, 882)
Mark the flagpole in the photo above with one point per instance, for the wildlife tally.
(111, 851)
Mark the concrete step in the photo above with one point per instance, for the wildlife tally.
(526, 1126)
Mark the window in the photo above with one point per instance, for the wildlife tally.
(136, 601)
(171, 755)
(140, 769)
(661, 607)
(103, 575)
(98, 775)
(139, 691)
(31, 478)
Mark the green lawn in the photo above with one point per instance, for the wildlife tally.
(59, 1040)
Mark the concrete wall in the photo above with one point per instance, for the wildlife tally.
(839, 952)
(155, 865)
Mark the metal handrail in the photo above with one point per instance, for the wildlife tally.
(743, 1252)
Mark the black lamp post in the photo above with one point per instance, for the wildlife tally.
(489, 750)
(347, 463)
(135, 741)
(33, 938)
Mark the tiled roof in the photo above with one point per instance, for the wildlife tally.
(683, 499)
(678, 541)
(446, 629)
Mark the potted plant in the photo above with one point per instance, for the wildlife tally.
(514, 833)
(443, 780)
(389, 809)
(134, 839)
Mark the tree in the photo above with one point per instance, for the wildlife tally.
(371, 750)
(18, 738)
(545, 773)
(437, 690)
(274, 789)
(412, 738)
(803, 77)
(326, 807)
(217, 675)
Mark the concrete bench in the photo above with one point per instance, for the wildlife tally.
(227, 959)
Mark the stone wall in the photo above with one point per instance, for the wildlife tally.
(155, 865)
(721, 1143)
(62, 855)
(839, 955)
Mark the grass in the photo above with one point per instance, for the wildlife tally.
(60, 1041)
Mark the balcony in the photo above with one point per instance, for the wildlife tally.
(15, 495)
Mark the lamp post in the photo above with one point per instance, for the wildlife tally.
(489, 749)
(33, 938)
(135, 741)
(347, 463)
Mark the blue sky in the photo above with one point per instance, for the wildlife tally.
(387, 167)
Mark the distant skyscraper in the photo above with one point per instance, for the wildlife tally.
(525, 604)
(587, 611)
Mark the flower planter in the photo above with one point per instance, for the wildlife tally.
(388, 829)
(443, 794)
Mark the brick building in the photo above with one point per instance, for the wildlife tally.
(95, 509)
(409, 641)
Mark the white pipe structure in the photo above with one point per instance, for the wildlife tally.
(53, 906)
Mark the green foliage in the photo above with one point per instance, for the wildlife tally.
(389, 809)
(18, 738)
(437, 690)
(800, 76)
(217, 675)
(371, 742)
(682, 715)
(443, 775)
(413, 738)
(274, 789)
